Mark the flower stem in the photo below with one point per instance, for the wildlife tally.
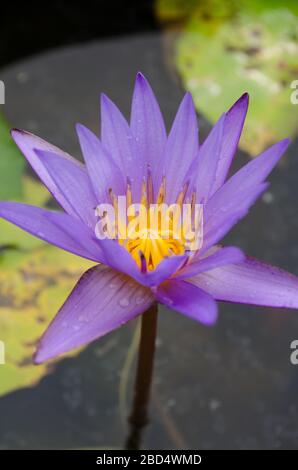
(138, 418)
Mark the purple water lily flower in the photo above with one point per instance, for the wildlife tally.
(127, 279)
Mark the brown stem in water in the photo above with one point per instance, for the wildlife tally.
(138, 418)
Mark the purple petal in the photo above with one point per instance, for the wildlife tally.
(73, 183)
(220, 257)
(103, 172)
(255, 171)
(217, 226)
(57, 228)
(233, 200)
(102, 301)
(164, 270)
(181, 149)
(148, 127)
(117, 138)
(233, 125)
(27, 143)
(189, 300)
(117, 257)
(203, 169)
(251, 282)
(208, 172)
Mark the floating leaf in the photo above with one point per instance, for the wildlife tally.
(34, 192)
(33, 286)
(233, 49)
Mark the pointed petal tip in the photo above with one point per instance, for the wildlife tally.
(86, 134)
(212, 320)
(108, 104)
(15, 133)
(15, 130)
(141, 81)
(187, 104)
(284, 143)
(242, 102)
(188, 97)
(277, 150)
(245, 96)
(37, 360)
(82, 131)
(79, 127)
(104, 98)
(39, 356)
(141, 77)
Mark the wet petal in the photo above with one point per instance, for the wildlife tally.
(119, 258)
(233, 200)
(219, 257)
(103, 172)
(189, 300)
(227, 216)
(102, 301)
(209, 170)
(73, 183)
(181, 149)
(251, 282)
(203, 169)
(27, 143)
(233, 125)
(164, 270)
(148, 127)
(117, 138)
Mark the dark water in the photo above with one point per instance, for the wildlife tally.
(27, 29)
(230, 386)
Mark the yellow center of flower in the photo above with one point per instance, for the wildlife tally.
(156, 234)
(153, 248)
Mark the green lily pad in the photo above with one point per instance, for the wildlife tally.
(33, 285)
(249, 46)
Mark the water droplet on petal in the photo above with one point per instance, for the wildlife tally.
(83, 318)
(124, 302)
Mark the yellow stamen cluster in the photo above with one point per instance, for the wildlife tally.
(147, 246)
